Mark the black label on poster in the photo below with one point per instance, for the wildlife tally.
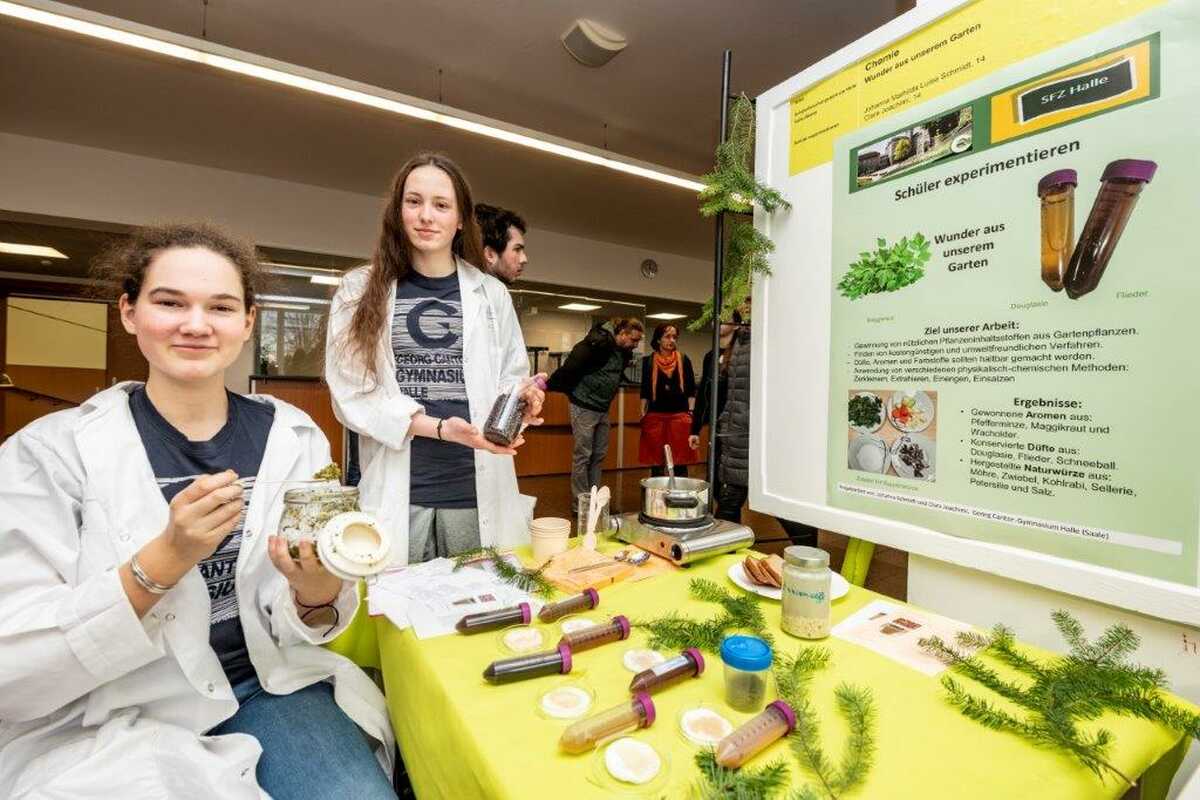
(1077, 90)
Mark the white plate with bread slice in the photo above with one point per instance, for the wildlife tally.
(764, 577)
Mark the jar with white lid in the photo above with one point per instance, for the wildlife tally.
(347, 542)
(806, 585)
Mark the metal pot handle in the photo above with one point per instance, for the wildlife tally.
(681, 500)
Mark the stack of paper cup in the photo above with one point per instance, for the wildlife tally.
(549, 536)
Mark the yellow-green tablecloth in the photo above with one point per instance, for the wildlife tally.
(462, 738)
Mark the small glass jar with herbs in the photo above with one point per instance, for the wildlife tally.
(307, 509)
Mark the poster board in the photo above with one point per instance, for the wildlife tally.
(1043, 435)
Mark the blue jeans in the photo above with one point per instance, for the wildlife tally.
(311, 749)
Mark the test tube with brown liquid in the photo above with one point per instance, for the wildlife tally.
(534, 665)
(596, 635)
(1057, 194)
(1120, 186)
(589, 599)
(688, 664)
(491, 620)
(587, 733)
(776, 721)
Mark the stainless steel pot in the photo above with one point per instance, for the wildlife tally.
(686, 501)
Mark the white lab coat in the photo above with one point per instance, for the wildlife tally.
(96, 703)
(494, 359)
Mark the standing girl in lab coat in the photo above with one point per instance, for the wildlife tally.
(158, 639)
(420, 344)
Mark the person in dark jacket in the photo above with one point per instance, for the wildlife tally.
(590, 378)
(733, 430)
(668, 391)
(702, 414)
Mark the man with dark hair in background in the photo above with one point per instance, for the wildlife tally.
(503, 242)
(590, 377)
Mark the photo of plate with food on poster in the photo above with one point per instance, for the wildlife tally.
(914, 456)
(865, 412)
(868, 453)
(909, 411)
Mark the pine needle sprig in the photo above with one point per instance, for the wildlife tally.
(533, 581)
(731, 188)
(858, 708)
(722, 783)
(806, 792)
(793, 677)
(974, 668)
(1093, 679)
(806, 745)
(738, 612)
(793, 674)
(1001, 643)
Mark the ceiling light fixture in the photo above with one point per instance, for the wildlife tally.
(283, 298)
(664, 315)
(577, 297)
(324, 277)
(285, 306)
(578, 307)
(141, 37)
(30, 250)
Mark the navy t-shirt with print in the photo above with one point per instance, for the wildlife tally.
(427, 341)
(239, 446)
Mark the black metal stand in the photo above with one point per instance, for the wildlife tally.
(718, 280)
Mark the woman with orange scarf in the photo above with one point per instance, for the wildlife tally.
(668, 392)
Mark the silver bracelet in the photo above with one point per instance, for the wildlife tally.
(143, 580)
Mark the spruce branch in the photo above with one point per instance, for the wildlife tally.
(806, 744)
(858, 708)
(721, 783)
(738, 612)
(533, 581)
(1070, 629)
(972, 667)
(1095, 678)
(731, 188)
(806, 792)
(793, 677)
(793, 674)
(1002, 646)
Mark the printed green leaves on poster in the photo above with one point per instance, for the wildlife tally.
(1056, 422)
(886, 269)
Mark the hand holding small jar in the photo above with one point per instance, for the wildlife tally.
(534, 396)
(311, 583)
(459, 431)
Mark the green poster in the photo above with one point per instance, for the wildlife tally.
(1013, 351)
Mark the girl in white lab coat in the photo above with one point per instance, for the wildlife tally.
(420, 344)
(158, 641)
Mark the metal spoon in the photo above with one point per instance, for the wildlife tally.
(636, 558)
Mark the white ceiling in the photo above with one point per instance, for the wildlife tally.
(499, 58)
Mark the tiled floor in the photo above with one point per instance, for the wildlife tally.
(889, 568)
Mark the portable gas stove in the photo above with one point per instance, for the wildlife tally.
(683, 542)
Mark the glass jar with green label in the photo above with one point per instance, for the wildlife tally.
(806, 579)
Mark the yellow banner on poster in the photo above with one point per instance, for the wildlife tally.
(1101, 83)
(961, 47)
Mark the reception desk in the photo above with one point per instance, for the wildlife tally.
(547, 449)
